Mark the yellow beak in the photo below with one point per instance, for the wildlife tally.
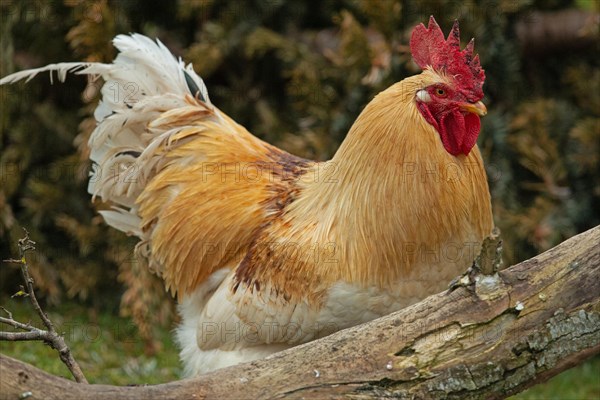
(475, 108)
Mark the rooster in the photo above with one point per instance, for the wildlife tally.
(263, 249)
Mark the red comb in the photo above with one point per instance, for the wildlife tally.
(429, 48)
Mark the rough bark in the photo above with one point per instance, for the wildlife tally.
(517, 328)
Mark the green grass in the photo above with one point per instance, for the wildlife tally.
(106, 346)
(579, 383)
(109, 352)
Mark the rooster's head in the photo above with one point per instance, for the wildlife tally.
(450, 98)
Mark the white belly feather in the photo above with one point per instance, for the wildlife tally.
(212, 336)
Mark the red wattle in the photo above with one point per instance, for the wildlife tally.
(473, 126)
(459, 132)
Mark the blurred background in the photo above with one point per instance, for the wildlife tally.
(296, 73)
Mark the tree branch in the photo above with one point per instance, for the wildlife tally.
(17, 336)
(49, 336)
(548, 32)
(516, 328)
(16, 324)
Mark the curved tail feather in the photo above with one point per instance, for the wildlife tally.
(143, 82)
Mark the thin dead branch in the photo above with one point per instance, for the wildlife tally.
(49, 336)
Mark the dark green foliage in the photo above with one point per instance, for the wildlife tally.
(295, 73)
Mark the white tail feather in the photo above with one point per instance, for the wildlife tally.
(61, 69)
(144, 81)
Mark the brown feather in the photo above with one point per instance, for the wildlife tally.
(212, 195)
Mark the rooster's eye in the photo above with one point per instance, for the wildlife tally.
(440, 92)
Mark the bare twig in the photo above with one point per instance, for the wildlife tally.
(22, 336)
(49, 336)
(10, 321)
(7, 312)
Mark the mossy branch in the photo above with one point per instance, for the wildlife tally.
(515, 328)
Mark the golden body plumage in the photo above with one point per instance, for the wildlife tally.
(264, 249)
